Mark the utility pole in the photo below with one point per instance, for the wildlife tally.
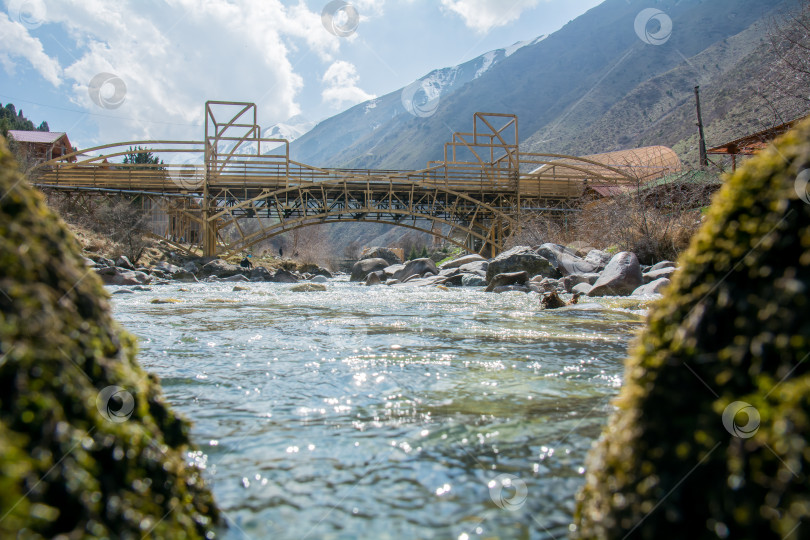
(704, 158)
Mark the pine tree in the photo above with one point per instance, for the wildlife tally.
(141, 158)
(43, 127)
(424, 254)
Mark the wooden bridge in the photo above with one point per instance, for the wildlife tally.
(206, 190)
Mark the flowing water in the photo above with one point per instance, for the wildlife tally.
(385, 412)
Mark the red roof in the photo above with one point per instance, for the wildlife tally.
(38, 137)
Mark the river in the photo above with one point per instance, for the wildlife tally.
(385, 412)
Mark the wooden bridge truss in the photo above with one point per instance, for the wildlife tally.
(206, 191)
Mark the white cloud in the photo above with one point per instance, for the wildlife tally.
(483, 15)
(173, 56)
(16, 42)
(341, 85)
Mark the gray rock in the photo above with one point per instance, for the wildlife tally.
(662, 264)
(654, 287)
(90, 263)
(565, 260)
(362, 269)
(449, 272)
(124, 262)
(393, 269)
(391, 282)
(520, 259)
(416, 267)
(238, 278)
(620, 278)
(598, 258)
(141, 288)
(221, 269)
(511, 288)
(167, 268)
(319, 279)
(309, 287)
(123, 291)
(511, 278)
(381, 253)
(122, 276)
(102, 261)
(283, 276)
(569, 282)
(582, 288)
(653, 275)
(473, 280)
(479, 268)
(191, 267)
(374, 278)
(260, 273)
(184, 276)
(548, 285)
(461, 261)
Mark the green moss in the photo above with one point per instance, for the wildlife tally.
(734, 326)
(66, 469)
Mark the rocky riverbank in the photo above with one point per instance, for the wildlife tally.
(122, 272)
(543, 269)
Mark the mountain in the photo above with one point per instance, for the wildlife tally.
(291, 130)
(592, 86)
(355, 131)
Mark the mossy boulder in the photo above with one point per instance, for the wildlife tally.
(731, 335)
(88, 448)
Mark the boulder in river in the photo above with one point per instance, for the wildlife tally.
(565, 260)
(220, 269)
(124, 262)
(598, 258)
(88, 446)
(511, 278)
(653, 287)
(653, 275)
(570, 281)
(710, 437)
(309, 287)
(662, 264)
(473, 280)
(167, 268)
(582, 288)
(260, 273)
(521, 259)
(416, 267)
(461, 261)
(284, 276)
(384, 253)
(374, 278)
(121, 276)
(620, 278)
(362, 269)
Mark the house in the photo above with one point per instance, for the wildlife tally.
(754, 143)
(39, 146)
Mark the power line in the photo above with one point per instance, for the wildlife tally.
(18, 100)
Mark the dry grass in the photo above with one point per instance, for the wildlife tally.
(623, 223)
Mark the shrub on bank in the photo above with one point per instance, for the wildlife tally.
(88, 448)
(710, 439)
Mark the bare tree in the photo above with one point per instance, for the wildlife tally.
(785, 85)
(124, 223)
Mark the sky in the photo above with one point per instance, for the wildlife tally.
(118, 70)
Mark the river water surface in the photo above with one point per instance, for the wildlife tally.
(385, 412)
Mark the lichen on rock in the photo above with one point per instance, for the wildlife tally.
(70, 467)
(731, 335)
